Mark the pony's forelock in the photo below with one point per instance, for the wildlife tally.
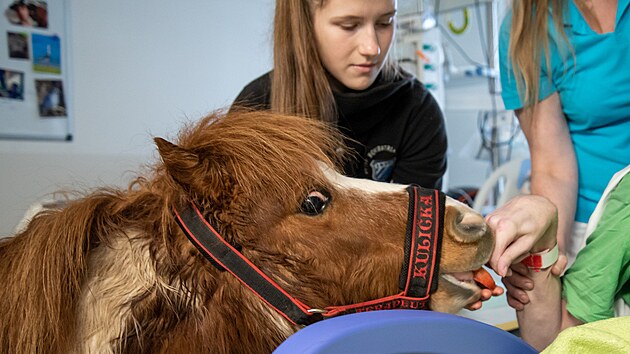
(258, 148)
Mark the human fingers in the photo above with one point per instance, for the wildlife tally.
(520, 281)
(514, 291)
(520, 268)
(513, 254)
(505, 232)
(515, 227)
(560, 265)
(519, 225)
(516, 235)
(474, 306)
(486, 294)
(515, 304)
(497, 291)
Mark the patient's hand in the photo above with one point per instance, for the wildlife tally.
(486, 294)
(518, 283)
(527, 223)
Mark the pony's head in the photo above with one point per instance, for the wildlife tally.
(113, 271)
(268, 184)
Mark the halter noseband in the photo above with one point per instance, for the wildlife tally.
(418, 276)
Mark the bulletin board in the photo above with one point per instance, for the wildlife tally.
(35, 87)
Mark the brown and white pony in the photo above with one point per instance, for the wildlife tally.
(112, 271)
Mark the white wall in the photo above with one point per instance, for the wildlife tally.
(138, 69)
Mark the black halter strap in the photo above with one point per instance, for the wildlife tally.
(418, 278)
(220, 252)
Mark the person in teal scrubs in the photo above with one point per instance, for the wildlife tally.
(565, 71)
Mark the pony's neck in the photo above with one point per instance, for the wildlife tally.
(126, 304)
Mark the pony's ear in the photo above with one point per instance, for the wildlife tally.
(180, 163)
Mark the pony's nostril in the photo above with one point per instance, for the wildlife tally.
(471, 225)
(471, 219)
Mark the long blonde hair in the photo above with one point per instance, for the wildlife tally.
(529, 39)
(299, 83)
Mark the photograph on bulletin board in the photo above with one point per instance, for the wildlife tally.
(50, 98)
(46, 53)
(11, 84)
(28, 13)
(17, 43)
(35, 85)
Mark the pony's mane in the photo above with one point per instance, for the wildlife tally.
(252, 154)
(263, 143)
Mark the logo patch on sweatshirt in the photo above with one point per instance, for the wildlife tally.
(380, 163)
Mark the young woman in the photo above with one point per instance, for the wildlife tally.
(332, 62)
(564, 71)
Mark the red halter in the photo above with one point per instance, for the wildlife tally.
(418, 276)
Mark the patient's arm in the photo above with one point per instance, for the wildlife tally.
(567, 318)
(542, 319)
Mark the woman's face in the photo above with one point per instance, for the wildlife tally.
(353, 38)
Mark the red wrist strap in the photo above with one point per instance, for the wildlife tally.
(541, 260)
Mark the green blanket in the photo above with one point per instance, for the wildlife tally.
(606, 337)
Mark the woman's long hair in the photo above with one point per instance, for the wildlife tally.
(299, 84)
(529, 39)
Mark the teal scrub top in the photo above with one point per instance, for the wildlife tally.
(594, 90)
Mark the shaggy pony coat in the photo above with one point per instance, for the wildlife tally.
(111, 271)
(114, 268)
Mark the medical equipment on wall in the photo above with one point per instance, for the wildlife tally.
(420, 51)
(426, 44)
(458, 50)
(432, 25)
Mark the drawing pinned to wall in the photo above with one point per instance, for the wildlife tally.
(50, 98)
(18, 45)
(11, 84)
(46, 53)
(28, 13)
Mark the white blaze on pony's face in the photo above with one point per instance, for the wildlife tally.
(365, 185)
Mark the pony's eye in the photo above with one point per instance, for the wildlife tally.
(315, 203)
